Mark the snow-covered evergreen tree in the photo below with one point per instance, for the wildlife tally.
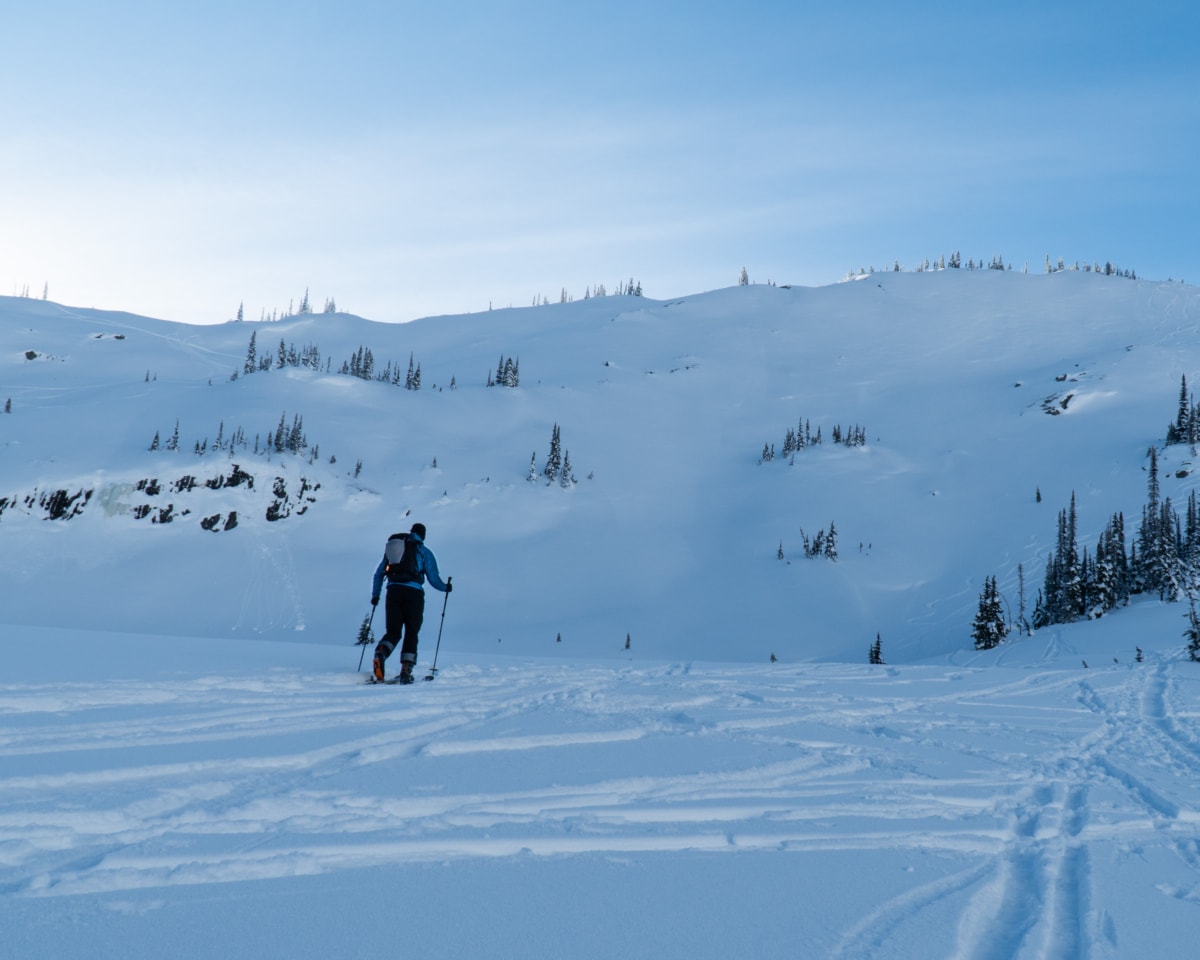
(830, 550)
(990, 627)
(554, 459)
(1192, 634)
(251, 363)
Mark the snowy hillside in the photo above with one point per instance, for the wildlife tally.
(191, 765)
(973, 391)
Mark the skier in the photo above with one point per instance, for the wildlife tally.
(406, 563)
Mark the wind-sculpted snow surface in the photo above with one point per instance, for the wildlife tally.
(238, 799)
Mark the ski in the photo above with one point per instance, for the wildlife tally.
(390, 681)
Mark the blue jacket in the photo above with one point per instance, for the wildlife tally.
(426, 565)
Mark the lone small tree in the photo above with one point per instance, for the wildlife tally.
(876, 653)
(365, 634)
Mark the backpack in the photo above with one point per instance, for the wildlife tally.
(404, 559)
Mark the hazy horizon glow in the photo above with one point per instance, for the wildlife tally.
(407, 161)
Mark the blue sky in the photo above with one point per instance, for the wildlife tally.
(411, 159)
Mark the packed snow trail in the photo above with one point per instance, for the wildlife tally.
(546, 809)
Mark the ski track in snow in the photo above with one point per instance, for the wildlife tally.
(143, 786)
(123, 786)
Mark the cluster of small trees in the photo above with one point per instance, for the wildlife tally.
(558, 463)
(290, 439)
(361, 363)
(822, 544)
(955, 262)
(803, 436)
(1186, 428)
(284, 438)
(631, 289)
(508, 373)
(304, 309)
(285, 355)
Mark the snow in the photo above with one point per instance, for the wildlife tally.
(192, 765)
(256, 799)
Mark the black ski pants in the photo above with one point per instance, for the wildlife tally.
(405, 613)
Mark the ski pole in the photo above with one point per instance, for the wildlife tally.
(365, 637)
(433, 670)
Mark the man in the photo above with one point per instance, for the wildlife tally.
(406, 564)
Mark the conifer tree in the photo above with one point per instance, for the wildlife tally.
(1022, 620)
(1192, 634)
(554, 460)
(1179, 431)
(251, 363)
(990, 627)
(1074, 579)
(830, 550)
(365, 633)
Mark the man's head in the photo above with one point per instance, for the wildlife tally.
(419, 530)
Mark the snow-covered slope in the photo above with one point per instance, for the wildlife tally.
(234, 798)
(180, 777)
(671, 534)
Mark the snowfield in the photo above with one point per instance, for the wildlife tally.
(654, 732)
(238, 798)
